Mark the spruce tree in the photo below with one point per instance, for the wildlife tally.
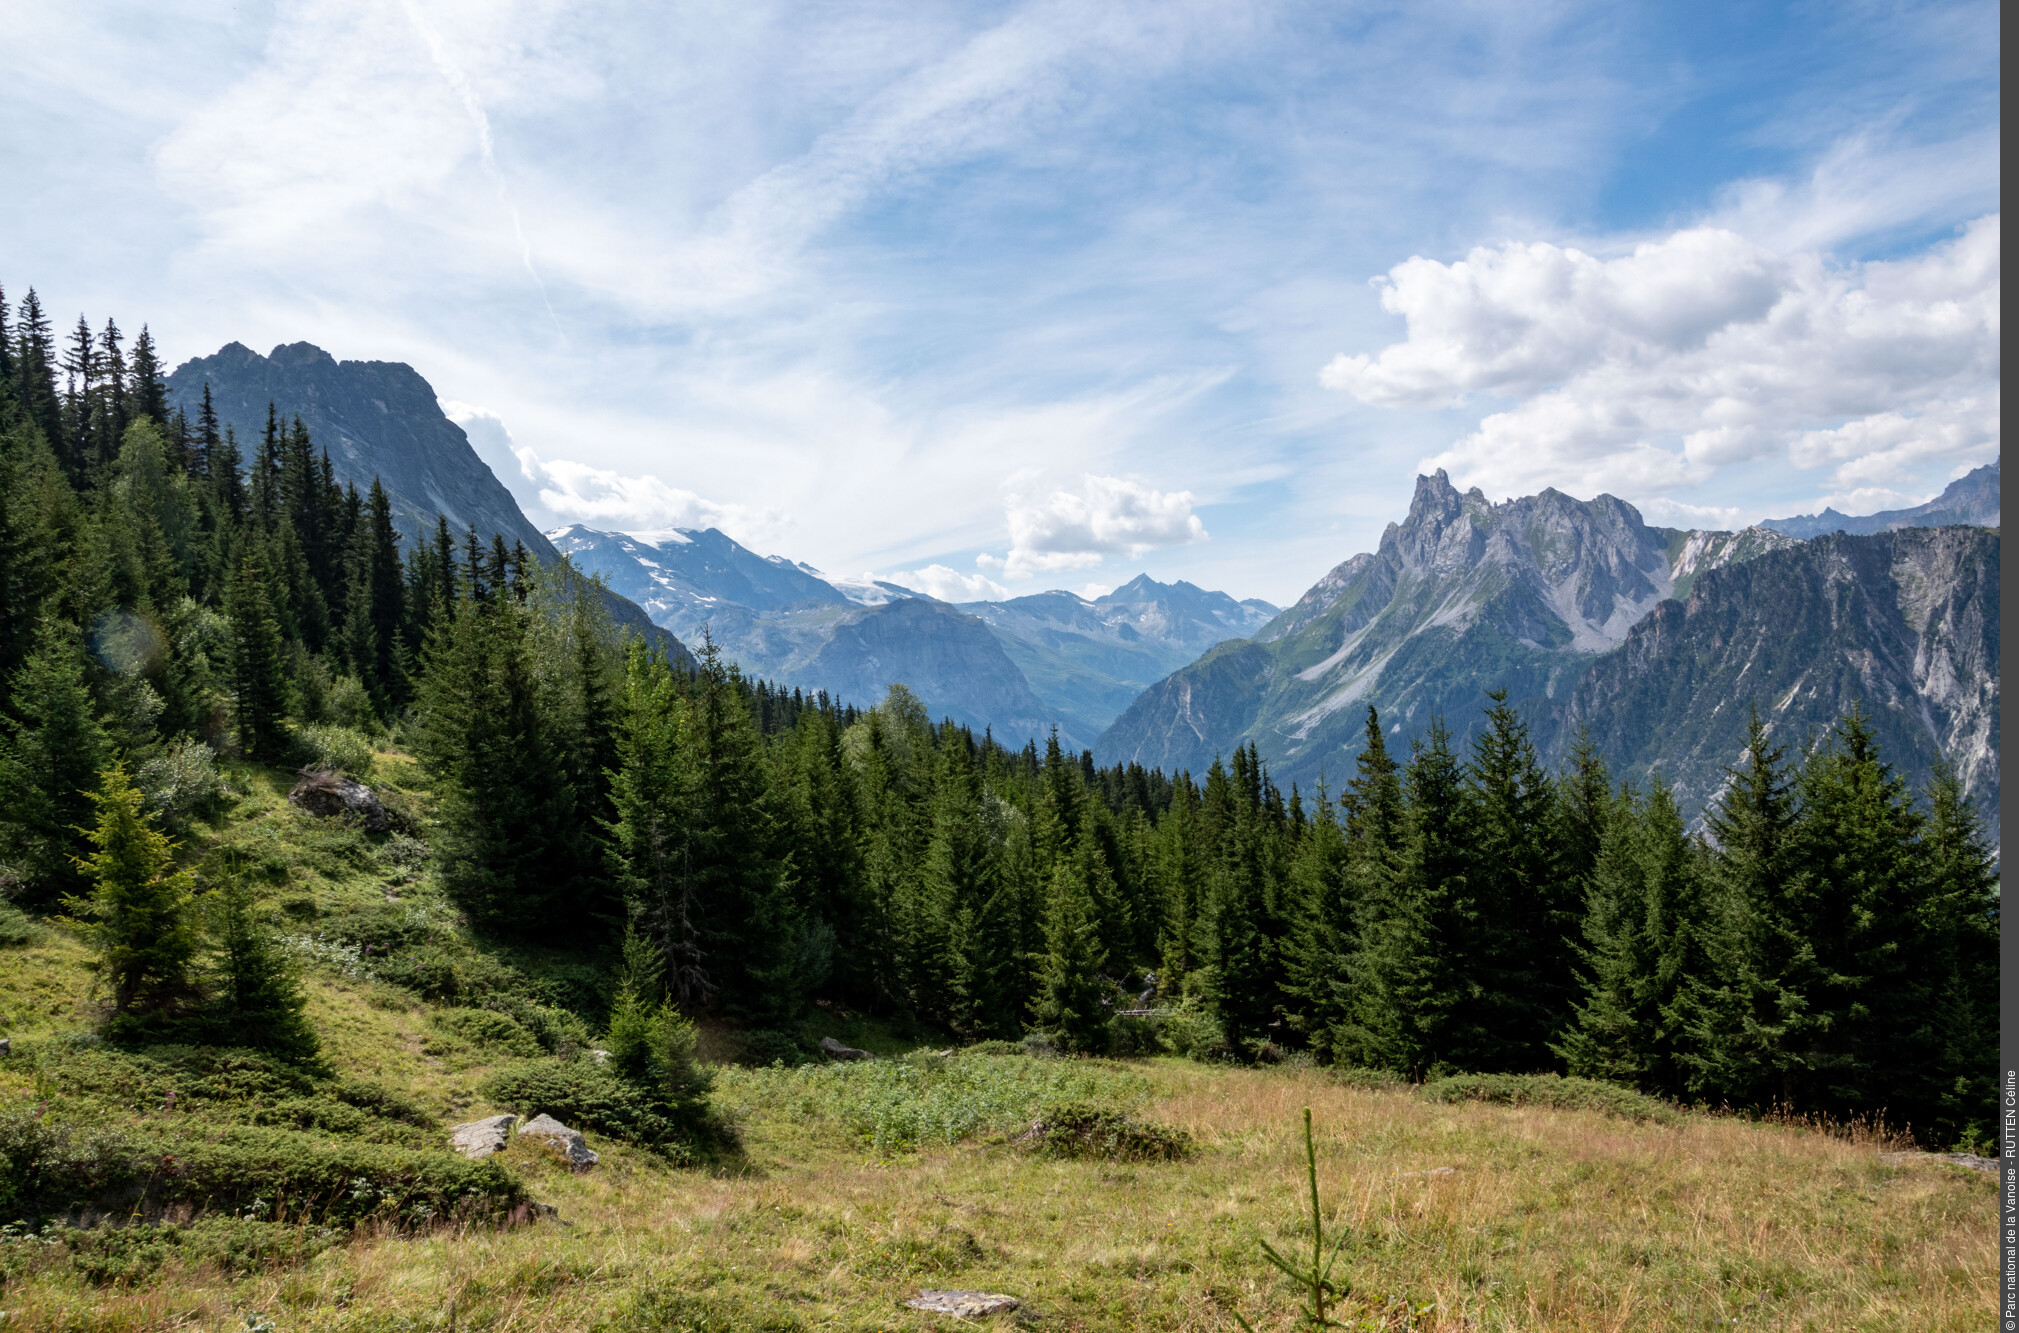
(35, 373)
(256, 998)
(51, 757)
(1524, 968)
(257, 659)
(1071, 993)
(139, 909)
(1961, 959)
(147, 392)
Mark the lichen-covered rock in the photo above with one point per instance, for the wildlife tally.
(321, 792)
(558, 1136)
(834, 1050)
(481, 1138)
(964, 1304)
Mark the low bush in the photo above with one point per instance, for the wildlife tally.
(1370, 1080)
(488, 1030)
(1553, 1091)
(341, 749)
(182, 784)
(896, 1105)
(761, 1047)
(55, 1167)
(591, 1098)
(1079, 1130)
(17, 928)
(126, 1255)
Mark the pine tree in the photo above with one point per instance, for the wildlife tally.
(1525, 969)
(35, 373)
(1071, 993)
(257, 658)
(1646, 960)
(51, 757)
(147, 393)
(1961, 960)
(139, 910)
(1758, 1027)
(257, 999)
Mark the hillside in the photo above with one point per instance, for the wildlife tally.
(854, 1186)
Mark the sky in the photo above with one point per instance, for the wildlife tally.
(991, 298)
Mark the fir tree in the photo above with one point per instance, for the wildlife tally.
(53, 752)
(139, 909)
(257, 1000)
(146, 391)
(257, 658)
(1071, 993)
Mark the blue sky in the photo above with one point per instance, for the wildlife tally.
(1014, 296)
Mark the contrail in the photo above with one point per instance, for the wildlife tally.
(453, 75)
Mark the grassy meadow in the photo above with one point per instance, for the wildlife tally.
(857, 1185)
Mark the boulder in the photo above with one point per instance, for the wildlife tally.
(558, 1136)
(322, 792)
(964, 1304)
(834, 1050)
(481, 1138)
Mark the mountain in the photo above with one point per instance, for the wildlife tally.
(1080, 661)
(1088, 660)
(1462, 596)
(375, 419)
(1652, 639)
(1971, 499)
(1903, 624)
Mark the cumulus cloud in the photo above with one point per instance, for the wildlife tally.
(950, 585)
(1106, 516)
(560, 491)
(1649, 371)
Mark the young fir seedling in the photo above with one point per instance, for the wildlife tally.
(1316, 1276)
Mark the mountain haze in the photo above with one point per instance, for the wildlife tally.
(1971, 499)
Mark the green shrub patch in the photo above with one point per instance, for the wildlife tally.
(1079, 1130)
(52, 1167)
(128, 1255)
(1553, 1091)
(590, 1098)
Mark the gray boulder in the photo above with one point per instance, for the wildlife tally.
(964, 1304)
(481, 1138)
(322, 792)
(834, 1050)
(569, 1143)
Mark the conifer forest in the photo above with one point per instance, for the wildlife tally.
(175, 600)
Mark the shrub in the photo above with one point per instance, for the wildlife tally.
(591, 1097)
(766, 1046)
(182, 784)
(1370, 1080)
(1550, 1090)
(123, 1255)
(896, 1105)
(52, 1167)
(1191, 1029)
(1077, 1129)
(488, 1029)
(337, 748)
(17, 927)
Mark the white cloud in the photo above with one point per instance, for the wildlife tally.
(1107, 516)
(1647, 372)
(949, 585)
(560, 491)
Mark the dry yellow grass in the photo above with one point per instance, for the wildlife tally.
(1546, 1220)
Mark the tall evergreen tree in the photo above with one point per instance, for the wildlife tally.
(51, 757)
(257, 659)
(140, 908)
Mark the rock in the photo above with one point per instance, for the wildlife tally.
(834, 1050)
(557, 1135)
(965, 1304)
(6, 1047)
(321, 792)
(481, 1138)
(599, 1057)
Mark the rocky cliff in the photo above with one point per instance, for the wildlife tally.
(376, 419)
(1904, 624)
